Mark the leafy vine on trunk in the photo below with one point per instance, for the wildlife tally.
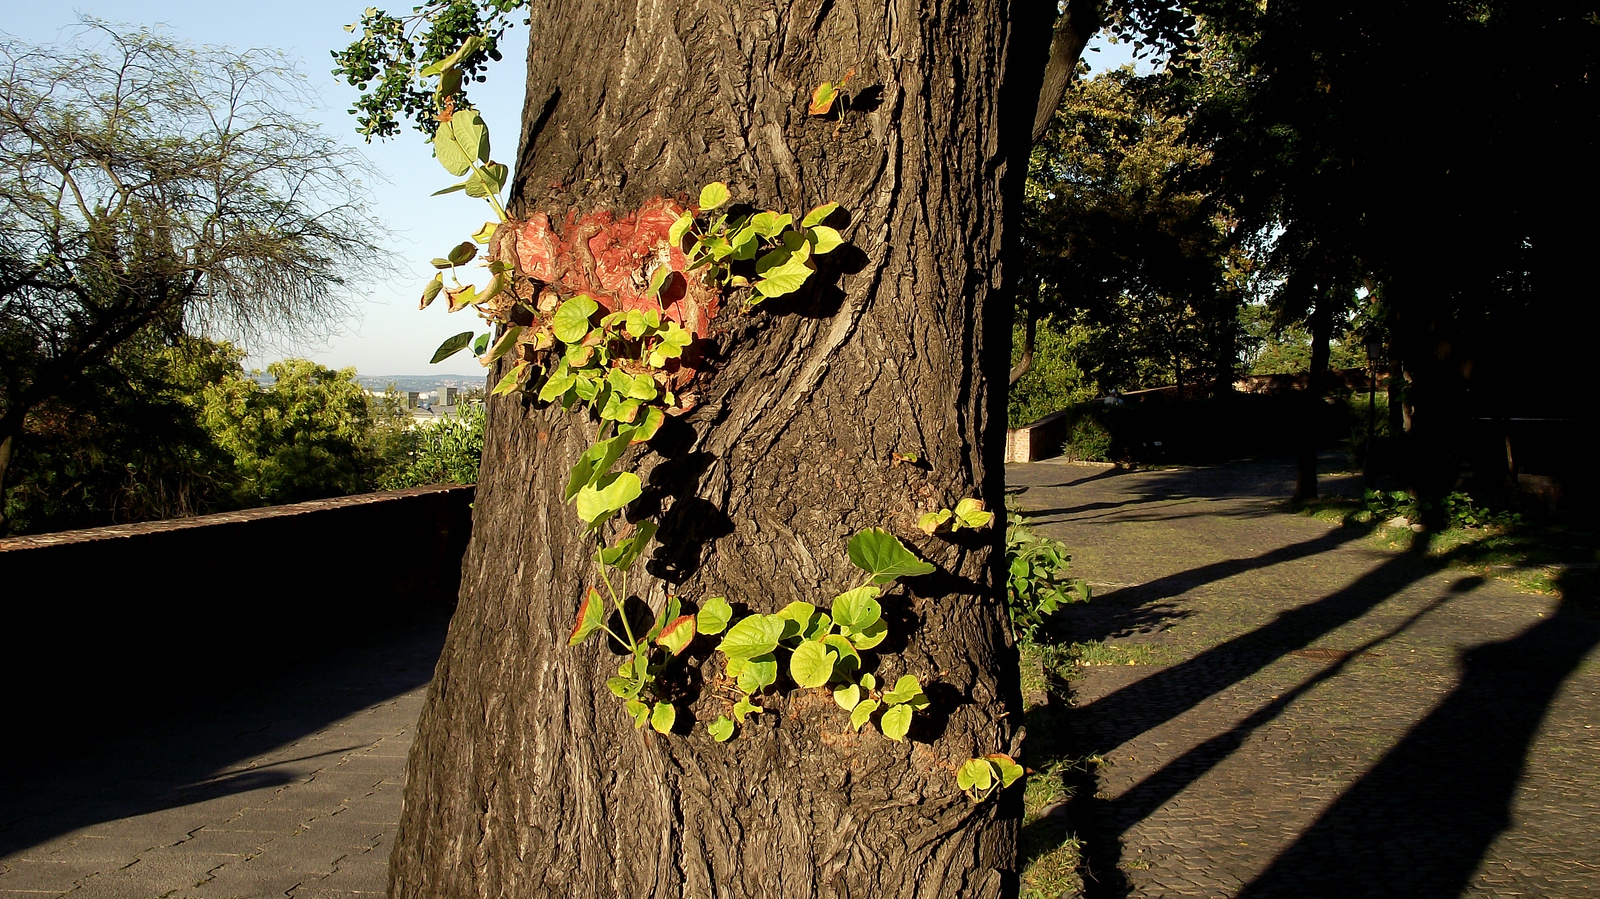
(624, 359)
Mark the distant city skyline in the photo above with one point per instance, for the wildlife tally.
(386, 335)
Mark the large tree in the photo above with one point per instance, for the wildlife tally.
(873, 395)
(151, 187)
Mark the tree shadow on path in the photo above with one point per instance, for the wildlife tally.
(1422, 819)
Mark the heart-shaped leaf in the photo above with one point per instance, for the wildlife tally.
(896, 723)
(713, 195)
(754, 636)
(812, 664)
(591, 615)
(882, 555)
(662, 717)
(461, 141)
(598, 501)
(721, 729)
(855, 610)
(713, 616)
(571, 321)
(862, 713)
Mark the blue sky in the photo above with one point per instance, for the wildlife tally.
(386, 335)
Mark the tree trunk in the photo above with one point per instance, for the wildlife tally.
(527, 778)
(1305, 484)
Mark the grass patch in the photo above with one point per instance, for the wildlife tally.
(1535, 556)
(1049, 851)
(1096, 653)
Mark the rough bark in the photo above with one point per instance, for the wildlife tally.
(526, 778)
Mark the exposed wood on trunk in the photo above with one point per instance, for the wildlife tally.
(527, 779)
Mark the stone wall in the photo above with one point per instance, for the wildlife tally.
(105, 620)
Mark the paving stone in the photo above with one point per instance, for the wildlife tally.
(1433, 740)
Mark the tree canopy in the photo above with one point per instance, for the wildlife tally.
(147, 183)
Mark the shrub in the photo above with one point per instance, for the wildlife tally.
(1037, 579)
(444, 453)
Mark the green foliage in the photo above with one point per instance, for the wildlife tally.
(968, 514)
(391, 60)
(444, 452)
(1121, 248)
(128, 444)
(1057, 379)
(1037, 579)
(310, 434)
(979, 776)
(1459, 510)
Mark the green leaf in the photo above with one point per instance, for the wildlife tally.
(646, 426)
(798, 615)
(770, 224)
(623, 555)
(447, 190)
(970, 513)
(868, 682)
(620, 686)
(639, 712)
(869, 636)
(1007, 766)
(571, 321)
(598, 501)
(896, 723)
(504, 344)
(855, 610)
(680, 228)
(662, 717)
(555, 386)
(882, 555)
(671, 344)
(677, 636)
(754, 636)
(849, 659)
(451, 347)
(819, 625)
(825, 239)
(595, 462)
(904, 690)
(819, 215)
(975, 773)
(783, 279)
(461, 141)
(822, 99)
(862, 713)
(591, 614)
(713, 195)
(486, 233)
(643, 387)
(744, 707)
(713, 616)
(812, 664)
(932, 521)
(511, 380)
(847, 696)
(431, 291)
(721, 729)
(669, 612)
(758, 674)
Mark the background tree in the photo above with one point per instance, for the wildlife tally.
(147, 183)
(521, 755)
(1425, 176)
(1118, 245)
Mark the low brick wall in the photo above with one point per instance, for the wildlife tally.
(95, 618)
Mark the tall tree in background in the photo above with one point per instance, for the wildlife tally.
(1426, 173)
(1118, 244)
(147, 184)
(526, 778)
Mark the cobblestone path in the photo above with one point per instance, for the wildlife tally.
(285, 785)
(1321, 717)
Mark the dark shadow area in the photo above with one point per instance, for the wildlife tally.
(1141, 608)
(1420, 821)
(168, 746)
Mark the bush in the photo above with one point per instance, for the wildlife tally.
(1037, 580)
(1087, 439)
(1055, 381)
(444, 453)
